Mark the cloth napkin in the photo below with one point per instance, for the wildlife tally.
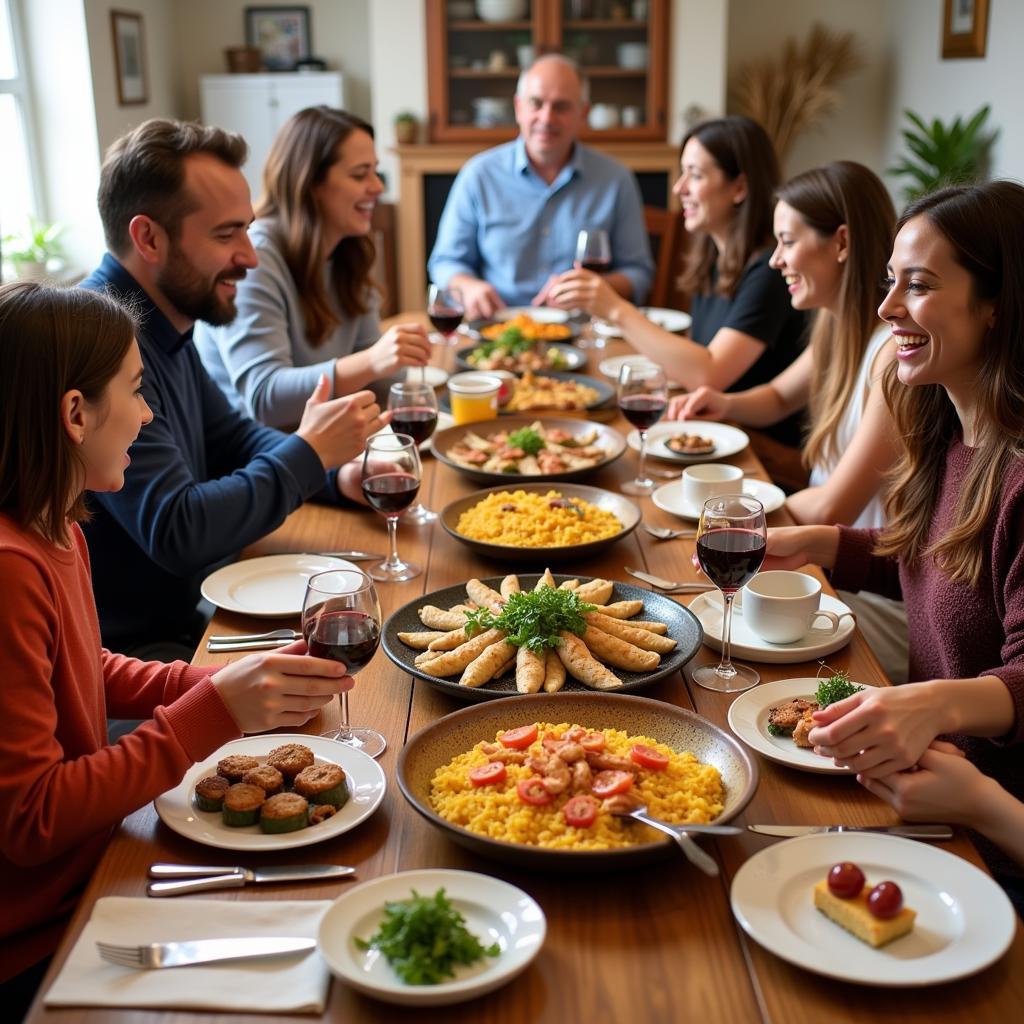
(293, 984)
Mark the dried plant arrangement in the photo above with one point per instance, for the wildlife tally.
(798, 89)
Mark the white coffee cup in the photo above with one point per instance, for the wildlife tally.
(782, 607)
(709, 480)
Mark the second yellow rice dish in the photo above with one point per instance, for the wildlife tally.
(526, 519)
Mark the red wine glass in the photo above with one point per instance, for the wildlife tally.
(414, 412)
(446, 310)
(593, 252)
(731, 543)
(341, 621)
(391, 481)
(643, 397)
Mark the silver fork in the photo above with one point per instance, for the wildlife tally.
(666, 533)
(200, 951)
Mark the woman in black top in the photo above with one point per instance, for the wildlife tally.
(744, 329)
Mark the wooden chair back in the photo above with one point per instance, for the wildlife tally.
(665, 228)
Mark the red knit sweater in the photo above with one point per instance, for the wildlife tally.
(63, 789)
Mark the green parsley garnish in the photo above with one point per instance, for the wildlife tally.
(424, 938)
(775, 730)
(529, 440)
(836, 687)
(534, 618)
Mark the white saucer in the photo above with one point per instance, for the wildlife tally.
(728, 440)
(273, 586)
(748, 645)
(669, 497)
(748, 718)
(432, 375)
(673, 320)
(964, 920)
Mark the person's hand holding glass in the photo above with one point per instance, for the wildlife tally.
(391, 480)
(643, 396)
(446, 310)
(594, 253)
(341, 621)
(731, 543)
(413, 410)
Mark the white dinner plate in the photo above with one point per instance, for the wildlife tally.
(673, 320)
(610, 368)
(273, 586)
(540, 314)
(748, 718)
(444, 421)
(964, 920)
(728, 440)
(669, 497)
(747, 644)
(366, 783)
(494, 911)
(432, 375)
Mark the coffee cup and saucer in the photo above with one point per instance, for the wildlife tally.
(685, 497)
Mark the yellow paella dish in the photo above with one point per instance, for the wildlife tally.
(526, 519)
(558, 786)
(532, 330)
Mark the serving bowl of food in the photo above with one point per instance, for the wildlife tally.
(534, 324)
(549, 522)
(651, 637)
(682, 766)
(551, 393)
(521, 449)
(511, 351)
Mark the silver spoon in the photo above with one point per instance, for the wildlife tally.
(666, 533)
(694, 854)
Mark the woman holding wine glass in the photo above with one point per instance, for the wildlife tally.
(391, 480)
(310, 307)
(643, 396)
(341, 621)
(414, 412)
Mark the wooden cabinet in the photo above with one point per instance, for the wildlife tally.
(473, 64)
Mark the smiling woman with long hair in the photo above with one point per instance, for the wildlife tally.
(310, 307)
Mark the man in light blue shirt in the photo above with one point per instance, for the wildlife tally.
(512, 217)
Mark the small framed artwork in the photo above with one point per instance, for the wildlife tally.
(281, 34)
(964, 28)
(129, 58)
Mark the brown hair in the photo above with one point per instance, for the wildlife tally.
(826, 198)
(304, 151)
(738, 146)
(984, 224)
(52, 340)
(144, 173)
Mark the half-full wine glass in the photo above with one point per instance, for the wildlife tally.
(391, 481)
(593, 252)
(446, 310)
(643, 397)
(731, 543)
(341, 621)
(414, 412)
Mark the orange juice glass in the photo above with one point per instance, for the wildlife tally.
(474, 396)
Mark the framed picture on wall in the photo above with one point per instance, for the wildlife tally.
(281, 34)
(964, 28)
(129, 58)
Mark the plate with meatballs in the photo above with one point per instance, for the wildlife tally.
(274, 792)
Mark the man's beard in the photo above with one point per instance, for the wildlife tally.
(194, 296)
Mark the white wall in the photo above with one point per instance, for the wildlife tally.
(858, 129)
(698, 45)
(933, 87)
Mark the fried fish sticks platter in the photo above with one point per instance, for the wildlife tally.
(541, 633)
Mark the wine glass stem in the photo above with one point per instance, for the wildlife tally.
(641, 473)
(393, 561)
(725, 665)
(344, 709)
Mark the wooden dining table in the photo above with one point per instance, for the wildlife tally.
(651, 944)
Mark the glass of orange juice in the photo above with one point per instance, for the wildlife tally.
(474, 396)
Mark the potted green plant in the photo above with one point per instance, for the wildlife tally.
(31, 251)
(406, 128)
(945, 155)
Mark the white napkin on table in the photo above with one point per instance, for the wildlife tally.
(291, 984)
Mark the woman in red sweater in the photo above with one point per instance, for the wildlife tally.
(70, 408)
(954, 547)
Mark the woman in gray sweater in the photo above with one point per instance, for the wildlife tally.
(310, 308)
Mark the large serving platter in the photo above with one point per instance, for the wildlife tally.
(573, 358)
(607, 437)
(682, 627)
(622, 508)
(435, 745)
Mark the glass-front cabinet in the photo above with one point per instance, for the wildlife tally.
(477, 48)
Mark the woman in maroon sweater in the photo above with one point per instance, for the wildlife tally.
(70, 408)
(954, 549)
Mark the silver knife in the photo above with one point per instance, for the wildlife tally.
(662, 584)
(198, 878)
(906, 831)
(225, 646)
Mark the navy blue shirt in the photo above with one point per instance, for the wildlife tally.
(204, 481)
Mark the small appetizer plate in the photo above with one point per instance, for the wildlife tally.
(964, 920)
(669, 497)
(748, 719)
(494, 911)
(728, 440)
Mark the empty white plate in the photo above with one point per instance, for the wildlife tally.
(669, 497)
(273, 586)
(432, 375)
(674, 320)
